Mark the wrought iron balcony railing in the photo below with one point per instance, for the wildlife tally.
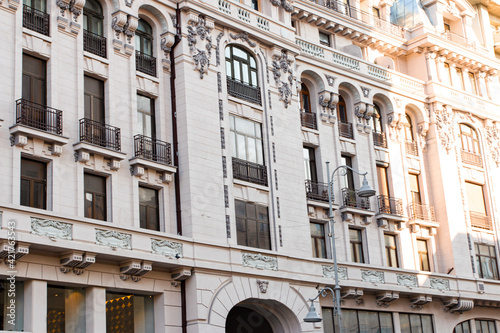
(390, 205)
(36, 20)
(478, 220)
(94, 43)
(308, 119)
(350, 198)
(152, 149)
(100, 134)
(472, 158)
(379, 139)
(316, 190)
(145, 63)
(39, 116)
(345, 130)
(250, 172)
(244, 91)
(422, 212)
(411, 148)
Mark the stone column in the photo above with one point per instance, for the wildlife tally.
(95, 304)
(35, 306)
(431, 66)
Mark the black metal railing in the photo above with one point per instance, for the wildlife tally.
(100, 134)
(38, 116)
(308, 119)
(472, 158)
(345, 130)
(478, 220)
(145, 63)
(379, 139)
(94, 43)
(411, 148)
(244, 91)
(250, 172)
(350, 198)
(316, 190)
(36, 20)
(152, 149)
(422, 212)
(390, 205)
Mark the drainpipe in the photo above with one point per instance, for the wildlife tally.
(175, 144)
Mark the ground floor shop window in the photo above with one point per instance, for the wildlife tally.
(415, 323)
(129, 313)
(11, 305)
(359, 321)
(65, 309)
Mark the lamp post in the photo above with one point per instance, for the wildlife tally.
(365, 192)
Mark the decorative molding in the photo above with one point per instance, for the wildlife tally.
(395, 127)
(228, 226)
(129, 3)
(198, 32)
(172, 250)
(492, 134)
(63, 5)
(366, 91)
(457, 305)
(217, 49)
(287, 6)
(418, 302)
(407, 280)
(259, 261)
(130, 27)
(52, 229)
(119, 19)
(244, 37)
(444, 119)
(328, 272)
(263, 284)
(384, 299)
(219, 87)
(372, 276)
(267, 72)
(76, 7)
(330, 79)
(282, 65)
(113, 239)
(440, 284)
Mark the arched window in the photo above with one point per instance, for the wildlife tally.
(470, 146)
(378, 131)
(345, 128)
(93, 39)
(241, 72)
(145, 62)
(410, 144)
(482, 326)
(35, 16)
(305, 102)
(341, 110)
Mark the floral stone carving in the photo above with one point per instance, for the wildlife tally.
(166, 248)
(440, 284)
(283, 3)
(282, 66)
(199, 33)
(407, 280)
(51, 229)
(328, 272)
(259, 261)
(113, 239)
(372, 276)
(493, 139)
(263, 284)
(444, 124)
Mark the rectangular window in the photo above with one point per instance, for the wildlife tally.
(391, 250)
(383, 183)
(324, 39)
(318, 240)
(7, 298)
(460, 78)
(473, 87)
(310, 164)
(148, 208)
(348, 179)
(94, 99)
(65, 309)
(129, 313)
(485, 326)
(246, 136)
(486, 261)
(252, 225)
(95, 196)
(475, 198)
(423, 255)
(447, 74)
(33, 183)
(359, 321)
(414, 189)
(376, 12)
(415, 323)
(34, 80)
(146, 116)
(355, 238)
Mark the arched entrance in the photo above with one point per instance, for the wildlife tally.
(261, 316)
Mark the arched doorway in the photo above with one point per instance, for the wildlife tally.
(242, 320)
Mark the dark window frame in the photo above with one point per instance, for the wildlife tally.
(147, 224)
(332, 320)
(420, 319)
(34, 96)
(424, 255)
(144, 37)
(242, 225)
(145, 114)
(493, 261)
(319, 240)
(305, 99)
(248, 62)
(357, 246)
(328, 41)
(32, 181)
(91, 16)
(389, 249)
(93, 213)
(95, 98)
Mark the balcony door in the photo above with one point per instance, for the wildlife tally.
(40, 5)
(144, 38)
(34, 80)
(94, 130)
(146, 116)
(341, 110)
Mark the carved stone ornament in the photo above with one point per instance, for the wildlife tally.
(128, 3)
(113, 239)
(440, 284)
(166, 248)
(444, 124)
(217, 49)
(118, 22)
(366, 91)
(372, 276)
(244, 37)
(263, 286)
(492, 130)
(51, 229)
(288, 7)
(407, 280)
(423, 127)
(328, 272)
(282, 66)
(395, 126)
(63, 5)
(330, 79)
(199, 33)
(328, 100)
(259, 261)
(76, 7)
(130, 27)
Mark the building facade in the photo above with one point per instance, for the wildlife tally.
(165, 165)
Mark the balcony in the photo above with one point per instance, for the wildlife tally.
(411, 148)
(389, 205)
(145, 63)
(308, 120)
(38, 116)
(379, 139)
(244, 91)
(94, 43)
(250, 172)
(152, 154)
(422, 212)
(36, 20)
(345, 130)
(350, 198)
(479, 220)
(317, 191)
(100, 134)
(472, 159)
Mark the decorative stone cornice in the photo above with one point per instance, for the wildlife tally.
(244, 37)
(457, 305)
(407, 280)
(259, 261)
(328, 272)
(118, 21)
(167, 248)
(52, 229)
(113, 239)
(76, 7)
(374, 277)
(130, 27)
(440, 284)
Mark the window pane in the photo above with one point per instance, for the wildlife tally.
(475, 198)
(252, 233)
(229, 71)
(368, 322)
(416, 324)
(237, 70)
(39, 195)
(25, 192)
(245, 73)
(427, 324)
(65, 309)
(317, 229)
(386, 325)
(404, 321)
(239, 53)
(350, 321)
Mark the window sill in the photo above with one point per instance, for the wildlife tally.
(21, 130)
(250, 184)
